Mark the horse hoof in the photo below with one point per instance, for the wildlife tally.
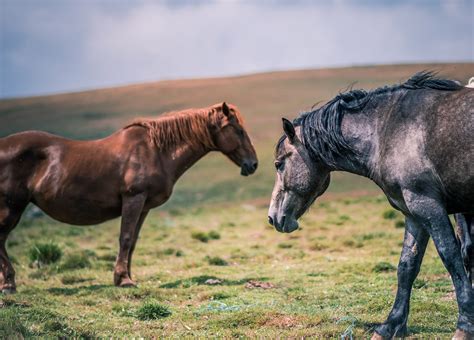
(376, 336)
(9, 290)
(126, 283)
(462, 335)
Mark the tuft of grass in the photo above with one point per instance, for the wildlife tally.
(220, 296)
(74, 261)
(353, 243)
(205, 237)
(200, 236)
(45, 253)
(399, 224)
(383, 267)
(152, 310)
(216, 261)
(214, 235)
(168, 251)
(389, 214)
(285, 245)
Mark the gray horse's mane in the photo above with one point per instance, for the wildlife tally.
(321, 127)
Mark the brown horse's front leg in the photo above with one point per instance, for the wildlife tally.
(134, 241)
(132, 207)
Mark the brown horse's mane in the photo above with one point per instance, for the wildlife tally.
(191, 125)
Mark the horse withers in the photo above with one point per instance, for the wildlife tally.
(125, 174)
(415, 142)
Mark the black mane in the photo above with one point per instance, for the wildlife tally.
(321, 127)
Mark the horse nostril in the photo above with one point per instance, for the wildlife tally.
(254, 165)
(270, 220)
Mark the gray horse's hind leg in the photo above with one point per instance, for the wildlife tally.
(414, 246)
(465, 230)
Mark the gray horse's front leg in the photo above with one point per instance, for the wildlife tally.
(430, 213)
(414, 246)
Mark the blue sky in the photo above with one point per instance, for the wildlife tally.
(51, 46)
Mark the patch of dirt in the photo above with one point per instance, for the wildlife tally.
(259, 284)
(282, 321)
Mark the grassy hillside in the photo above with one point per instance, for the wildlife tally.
(262, 98)
(207, 263)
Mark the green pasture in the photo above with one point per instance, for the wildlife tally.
(207, 263)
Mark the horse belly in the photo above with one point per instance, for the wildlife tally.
(78, 200)
(79, 210)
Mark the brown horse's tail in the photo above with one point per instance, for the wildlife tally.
(465, 233)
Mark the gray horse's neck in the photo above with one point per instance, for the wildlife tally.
(360, 132)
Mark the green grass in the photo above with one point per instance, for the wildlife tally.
(44, 253)
(327, 279)
(151, 310)
(335, 277)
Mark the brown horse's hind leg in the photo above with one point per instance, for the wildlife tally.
(132, 210)
(9, 217)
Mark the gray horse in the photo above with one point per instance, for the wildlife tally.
(415, 141)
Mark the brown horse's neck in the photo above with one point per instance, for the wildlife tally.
(184, 156)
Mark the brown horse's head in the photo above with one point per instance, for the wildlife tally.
(232, 140)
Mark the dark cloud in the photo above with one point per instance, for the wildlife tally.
(56, 46)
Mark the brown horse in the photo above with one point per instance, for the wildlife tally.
(125, 174)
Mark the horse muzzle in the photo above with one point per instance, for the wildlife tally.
(284, 224)
(248, 168)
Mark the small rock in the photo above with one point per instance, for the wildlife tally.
(213, 282)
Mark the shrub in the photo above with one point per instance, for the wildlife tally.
(285, 245)
(389, 214)
(216, 261)
(45, 253)
(382, 267)
(76, 261)
(152, 310)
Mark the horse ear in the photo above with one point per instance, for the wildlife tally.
(289, 129)
(226, 110)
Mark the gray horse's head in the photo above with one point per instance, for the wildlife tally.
(299, 180)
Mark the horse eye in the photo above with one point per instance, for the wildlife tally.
(240, 132)
(278, 165)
